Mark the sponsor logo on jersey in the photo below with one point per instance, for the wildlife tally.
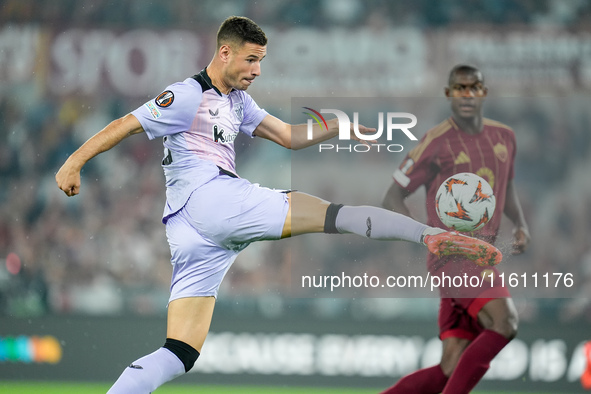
(239, 111)
(133, 366)
(155, 112)
(165, 99)
(220, 136)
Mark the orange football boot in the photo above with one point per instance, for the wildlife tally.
(451, 242)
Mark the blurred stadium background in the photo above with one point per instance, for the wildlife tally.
(84, 281)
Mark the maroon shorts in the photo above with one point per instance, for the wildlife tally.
(459, 307)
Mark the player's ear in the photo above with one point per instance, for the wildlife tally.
(484, 91)
(446, 91)
(224, 52)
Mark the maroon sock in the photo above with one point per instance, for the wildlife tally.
(474, 362)
(424, 381)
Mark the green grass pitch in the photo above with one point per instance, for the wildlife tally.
(101, 388)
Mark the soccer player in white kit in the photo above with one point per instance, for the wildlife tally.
(211, 214)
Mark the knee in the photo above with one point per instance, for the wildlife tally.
(500, 316)
(506, 326)
(509, 331)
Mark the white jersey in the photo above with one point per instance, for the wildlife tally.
(199, 125)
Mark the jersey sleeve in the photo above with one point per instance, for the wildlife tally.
(419, 166)
(511, 174)
(253, 115)
(171, 112)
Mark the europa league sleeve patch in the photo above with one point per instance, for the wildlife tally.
(165, 99)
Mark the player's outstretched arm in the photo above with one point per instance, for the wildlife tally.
(394, 199)
(68, 176)
(296, 136)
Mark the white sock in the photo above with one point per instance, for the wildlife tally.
(379, 224)
(148, 373)
(431, 231)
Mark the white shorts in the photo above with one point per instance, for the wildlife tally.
(220, 219)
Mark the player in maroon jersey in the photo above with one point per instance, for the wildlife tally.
(475, 324)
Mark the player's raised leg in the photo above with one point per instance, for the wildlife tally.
(188, 324)
(309, 214)
(307, 217)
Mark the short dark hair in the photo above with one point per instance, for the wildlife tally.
(237, 30)
(464, 69)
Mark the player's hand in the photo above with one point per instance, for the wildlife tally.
(450, 242)
(362, 130)
(68, 178)
(521, 240)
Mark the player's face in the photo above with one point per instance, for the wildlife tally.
(244, 65)
(467, 93)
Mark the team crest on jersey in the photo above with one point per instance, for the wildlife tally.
(239, 111)
(220, 136)
(501, 152)
(165, 99)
